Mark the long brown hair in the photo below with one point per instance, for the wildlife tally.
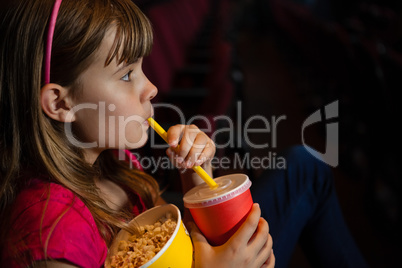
(29, 140)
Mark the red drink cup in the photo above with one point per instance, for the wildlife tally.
(219, 212)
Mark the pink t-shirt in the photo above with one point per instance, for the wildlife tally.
(74, 238)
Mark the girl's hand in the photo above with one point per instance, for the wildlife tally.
(250, 246)
(189, 146)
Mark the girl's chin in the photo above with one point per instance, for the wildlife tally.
(135, 143)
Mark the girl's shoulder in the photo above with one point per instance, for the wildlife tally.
(51, 201)
(50, 221)
(39, 190)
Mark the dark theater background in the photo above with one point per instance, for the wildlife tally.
(291, 58)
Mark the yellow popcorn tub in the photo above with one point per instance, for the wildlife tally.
(178, 250)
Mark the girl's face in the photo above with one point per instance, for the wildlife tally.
(114, 104)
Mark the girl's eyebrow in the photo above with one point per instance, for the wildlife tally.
(122, 67)
(125, 65)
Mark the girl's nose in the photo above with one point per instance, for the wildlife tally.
(150, 91)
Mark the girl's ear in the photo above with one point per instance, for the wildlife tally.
(56, 103)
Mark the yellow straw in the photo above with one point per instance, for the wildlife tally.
(199, 170)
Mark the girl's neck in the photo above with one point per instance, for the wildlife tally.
(113, 194)
(91, 155)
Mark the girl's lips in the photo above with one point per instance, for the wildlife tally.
(151, 115)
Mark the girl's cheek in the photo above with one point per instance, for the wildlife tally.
(132, 134)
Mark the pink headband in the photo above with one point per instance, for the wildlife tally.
(49, 40)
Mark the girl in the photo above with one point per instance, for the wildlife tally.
(67, 68)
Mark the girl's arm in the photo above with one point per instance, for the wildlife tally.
(189, 178)
(251, 245)
(189, 146)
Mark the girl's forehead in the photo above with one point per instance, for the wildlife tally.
(107, 48)
(114, 47)
(102, 55)
(108, 43)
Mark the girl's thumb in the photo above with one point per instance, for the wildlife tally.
(196, 234)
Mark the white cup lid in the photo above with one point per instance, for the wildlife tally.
(229, 186)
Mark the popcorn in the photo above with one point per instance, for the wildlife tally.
(139, 249)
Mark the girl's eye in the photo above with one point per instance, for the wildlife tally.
(126, 77)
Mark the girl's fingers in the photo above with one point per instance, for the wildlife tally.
(247, 229)
(201, 149)
(195, 147)
(259, 238)
(265, 252)
(174, 135)
(188, 141)
(261, 242)
(174, 158)
(271, 260)
(206, 154)
(197, 238)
